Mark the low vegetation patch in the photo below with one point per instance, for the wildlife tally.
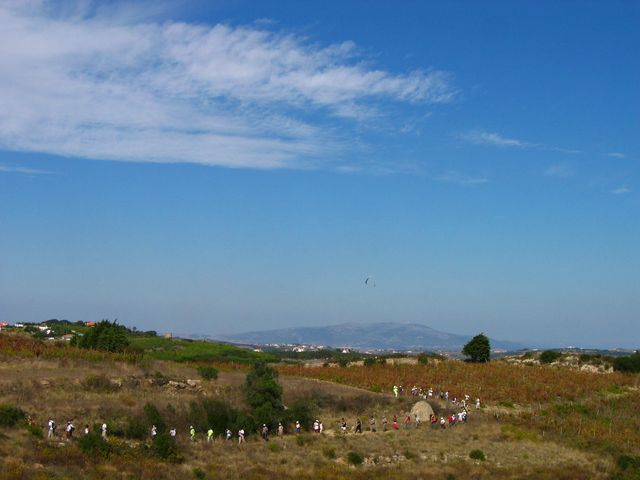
(94, 445)
(208, 373)
(355, 458)
(550, 356)
(477, 455)
(100, 384)
(630, 364)
(10, 415)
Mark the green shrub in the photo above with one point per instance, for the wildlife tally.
(354, 458)
(329, 452)
(10, 415)
(303, 411)
(423, 359)
(94, 445)
(199, 474)
(409, 455)
(218, 415)
(99, 383)
(105, 335)
(164, 446)
(274, 447)
(208, 373)
(630, 364)
(135, 429)
(477, 455)
(34, 430)
(370, 361)
(154, 417)
(549, 356)
(626, 462)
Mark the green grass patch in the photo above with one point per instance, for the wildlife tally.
(10, 415)
(477, 455)
(208, 373)
(183, 350)
(511, 432)
(354, 458)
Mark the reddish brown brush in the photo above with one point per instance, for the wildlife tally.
(494, 381)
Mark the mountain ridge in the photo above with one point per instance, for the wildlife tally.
(378, 335)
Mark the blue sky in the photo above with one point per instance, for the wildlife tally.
(217, 167)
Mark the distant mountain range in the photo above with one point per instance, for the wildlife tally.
(383, 336)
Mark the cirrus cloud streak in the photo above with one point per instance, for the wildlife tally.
(233, 96)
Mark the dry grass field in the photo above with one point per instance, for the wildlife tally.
(517, 441)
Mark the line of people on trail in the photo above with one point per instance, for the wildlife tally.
(70, 428)
(431, 394)
(318, 426)
(434, 421)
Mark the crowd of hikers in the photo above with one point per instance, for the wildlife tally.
(459, 408)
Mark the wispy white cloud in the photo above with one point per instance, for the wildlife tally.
(111, 86)
(480, 137)
(459, 178)
(616, 155)
(24, 170)
(621, 190)
(559, 170)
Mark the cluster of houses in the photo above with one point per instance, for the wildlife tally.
(44, 329)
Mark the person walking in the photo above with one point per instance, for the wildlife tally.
(358, 426)
(51, 424)
(241, 436)
(280, 429)
(192, 433)
(103, 431)
(372, 424)
(210, 435)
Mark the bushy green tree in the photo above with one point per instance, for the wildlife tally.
(153, 417)
(629, 364)
(264, 394)
(10, 415)
(105, 335)
(478, 349)
(261, 386)
(549, 356)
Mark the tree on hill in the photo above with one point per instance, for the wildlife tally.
(263, 393)
(478, 349)
(629, 364)
(105, 335)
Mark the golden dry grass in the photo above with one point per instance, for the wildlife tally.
(49, 387)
